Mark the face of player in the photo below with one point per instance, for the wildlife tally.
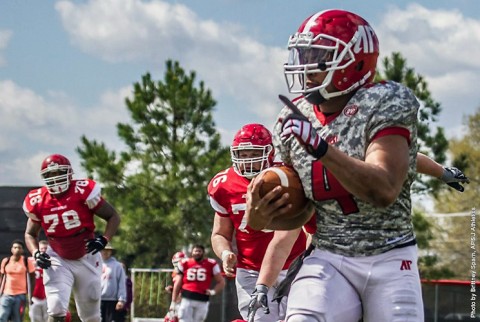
(17, 250)
(197, 254)
(57, 181)
(250, 166)
(316, 79)
(42, 247)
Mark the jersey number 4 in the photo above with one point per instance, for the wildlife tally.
(327, 187)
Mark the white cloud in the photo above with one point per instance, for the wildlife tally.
(5, 36)
(437, 41)
(223, 55)
(442, 46)
(33, 126)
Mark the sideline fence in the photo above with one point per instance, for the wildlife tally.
(151, 301)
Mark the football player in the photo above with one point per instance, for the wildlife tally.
(261, 257)
(38, 304)
(195, 278)
(175, 260)
(65, 208)
(172, 314)
(353, 143)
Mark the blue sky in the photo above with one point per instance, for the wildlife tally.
(67, 66)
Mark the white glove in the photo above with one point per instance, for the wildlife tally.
(300, 127)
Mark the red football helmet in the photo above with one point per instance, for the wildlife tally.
(178, 256)
(57, 173)
(337, 42)
(255, 137)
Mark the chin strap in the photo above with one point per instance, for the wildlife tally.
(315, 98)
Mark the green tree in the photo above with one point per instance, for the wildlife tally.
(433, 144)
(158, 183)
(466, 155)
(457, 231)
(428, 262)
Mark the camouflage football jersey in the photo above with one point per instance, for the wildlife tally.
(346, 224)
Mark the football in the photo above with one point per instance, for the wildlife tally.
(290, 181)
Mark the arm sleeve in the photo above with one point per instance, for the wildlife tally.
(397, 109)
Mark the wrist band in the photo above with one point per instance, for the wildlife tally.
(225, 253)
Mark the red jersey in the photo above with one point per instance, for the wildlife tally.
(197, 276)
(227, 191)
(39, 289)
(67, 220)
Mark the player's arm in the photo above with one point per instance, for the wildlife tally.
(219, 283)
(450, 175)
(221, 238)
(427, 166)
(276, 254)
(32, 231)
(377, 180)
(108, 213)
(177, 287)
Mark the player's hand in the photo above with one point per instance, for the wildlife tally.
(210, 292)
(229, 261)
(95, 245)
(453, 177)
(42, 259)
(261, 211)
(298, 125)
(259, 299)
(172, 311)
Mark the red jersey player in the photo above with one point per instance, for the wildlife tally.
(38, 306)
(65, 209)
(263, 256)
(196, 275)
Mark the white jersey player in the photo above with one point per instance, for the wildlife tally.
(353, 144)
(65, 209)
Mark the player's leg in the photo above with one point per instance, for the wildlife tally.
(393, 292)
(58, 281)
(245, 282)
(44, 313)
(200, 311)
(185, 310)
(87, 287)
(35, 311)
(320, 293)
